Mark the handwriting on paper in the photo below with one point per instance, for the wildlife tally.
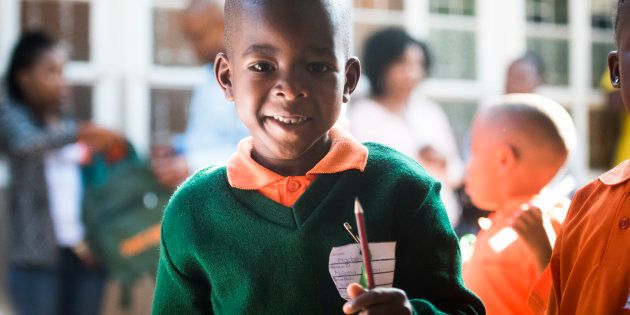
(345, 265)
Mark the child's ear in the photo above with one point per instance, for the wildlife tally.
(507, 157)
(352, 75)
(223, 73)
(613, 66)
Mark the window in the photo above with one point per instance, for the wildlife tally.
(170, 46)
(547, 11)
(454, 53)
(169, 112)
(379, 4)
(67, 20)
(452, 39)
(602, 13)
(555, 55)
(453, 7)
(547, 36)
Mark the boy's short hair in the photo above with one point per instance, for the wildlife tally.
(542, 120)
(622, 7)
(384, 48)
(339, 12)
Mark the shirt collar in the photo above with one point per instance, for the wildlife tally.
(617, 175)
(345, 154)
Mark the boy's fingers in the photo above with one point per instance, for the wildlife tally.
(354, 290)
(518, 227)
(374, 297)
(536, 213)
(532, 216)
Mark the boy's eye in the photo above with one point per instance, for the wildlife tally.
(261, 67)
(319, 67)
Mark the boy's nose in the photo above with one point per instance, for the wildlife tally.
(290, 89)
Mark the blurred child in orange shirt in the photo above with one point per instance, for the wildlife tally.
(517, 147)
(590, 264)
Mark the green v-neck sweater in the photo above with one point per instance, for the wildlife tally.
(231, 251)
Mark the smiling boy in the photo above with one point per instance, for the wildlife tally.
(257, 236)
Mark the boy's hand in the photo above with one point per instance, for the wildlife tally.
(376, 301)
(529, 226)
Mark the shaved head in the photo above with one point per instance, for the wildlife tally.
(521, 141)
(338, 13)
(539, 129)
(623, 8)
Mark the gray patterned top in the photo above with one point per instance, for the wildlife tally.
(25, 140)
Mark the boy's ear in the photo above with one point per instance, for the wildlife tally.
(352, 75)
(613, 66)
(223, 73)
(507, 157)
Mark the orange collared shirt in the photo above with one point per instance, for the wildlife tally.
(590, 263)
(504, 277)
(244, 173)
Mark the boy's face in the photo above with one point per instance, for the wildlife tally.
(288, 74)
(482, 176)
(619, 61)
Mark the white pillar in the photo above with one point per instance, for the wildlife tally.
(105, 58)
(9, 29)
(135, 36)
(580, 78)
(417, 18)
(501, 36)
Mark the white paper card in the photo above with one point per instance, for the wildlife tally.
(345, 265)
(504, 238)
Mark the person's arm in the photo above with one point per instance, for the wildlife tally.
(24, 138)
(177, 291)
(428, 267)
(213, 129)
(529, 226)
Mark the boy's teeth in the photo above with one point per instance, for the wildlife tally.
(290, 121)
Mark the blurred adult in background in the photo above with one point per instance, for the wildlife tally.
(394, 115)
(213, 129)
(51, 269)
(525, 74)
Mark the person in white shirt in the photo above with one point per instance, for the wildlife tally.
(213, 129)
(396, 115)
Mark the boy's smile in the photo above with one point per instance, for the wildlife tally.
(288, 74)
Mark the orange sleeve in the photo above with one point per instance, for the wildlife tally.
(539, 297)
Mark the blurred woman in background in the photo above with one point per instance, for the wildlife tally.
(394, 115)
(51, 269)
